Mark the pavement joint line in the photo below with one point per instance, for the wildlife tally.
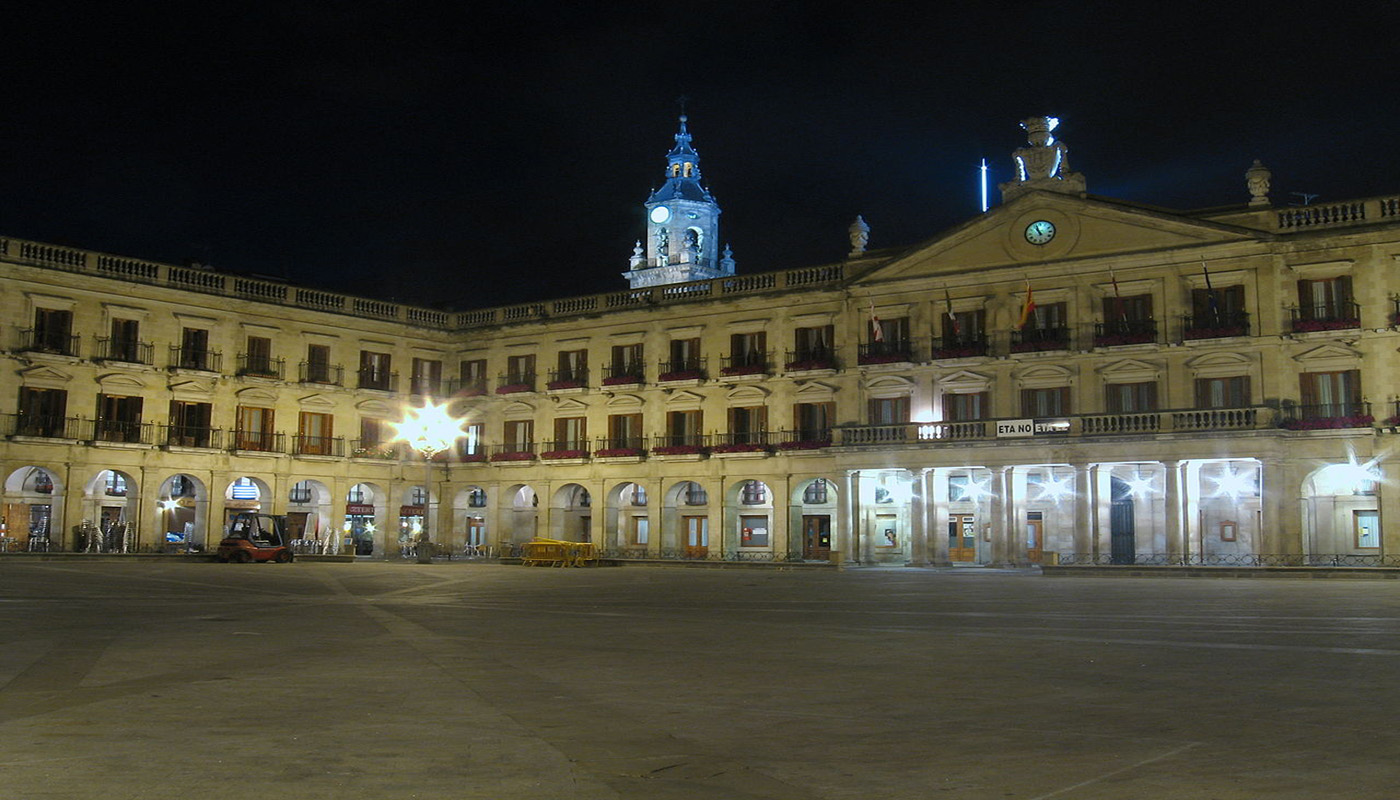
(1355, 651)
(1121, 770)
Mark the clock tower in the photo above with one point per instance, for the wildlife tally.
(682, 219)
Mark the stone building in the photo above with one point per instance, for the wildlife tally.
(1064, 377)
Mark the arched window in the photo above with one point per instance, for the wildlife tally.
(815, 493)
(753, 493)
(476, 498)
(300, 493)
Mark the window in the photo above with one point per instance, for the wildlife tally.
(356, 494)
(300, 492)
(314, 434)
(116, 484)
(966, 407)
(427, 376)
(118, 418)
(257, 359)
(889, 410)
(1331, 395)
(625, 430)
(626, 362)
(573, 367)
(748, 425)
(964, 326)
(813, 421)
(1368, 529)
(639, 495)
(816, 493)
(1047, 402)
(748, 350)
(125, 343)
(42, 412)
(470, 443)
(640, 533)
(476, 497)
(472, 376)
(1231, 392)
(1219, 309)
(53, 329)
(683, 427)
(570, 433)
(1130, 398)
(894, 332)
(753, 493)
(254, 430)
(1126, 320)
(753, 530)
(519, 436)
(194, 349)
(318, 363)
(418, 496)
(520, 369)
(959, 489)
(693, 494)
(1326, 300)
(374, 371)
(814, 344)
(373, 432)
(189, 423)
(1048, 317)
(685, 355)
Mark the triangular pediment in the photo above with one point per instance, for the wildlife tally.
(889, 384)
(1083, 228)
(119, 380)
(1041, 375)
(373, 408)
(1130, 369)
(186, 387)
(570, 405)
(257, 395)
(519, 410)
(625, 401)
(815, 390)
(964, 382)
(1330, 352)
(44, 373)
(747, 394)
(316, 401)
(684, 398)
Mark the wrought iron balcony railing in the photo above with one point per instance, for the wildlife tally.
(466, 387)
(378, 380)
(191, 358)
(193, 436)
(513, 382)
(967, 345)
(1125, 331)
(575, 378)
(261, 366)
(624, 373)
(123, 431)
(129, 351)
(49, 341)
(1032, 340)
(886, 352)
(258, 441)
(1326, 416)
(45, 426)
(751, 363)
(810, 358)
(1215, 326)
(303, 445)
(1308, 318)
(621, 446)
(689, 369)
(317, 372)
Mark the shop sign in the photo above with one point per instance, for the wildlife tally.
(360, 509)
(1022, 428)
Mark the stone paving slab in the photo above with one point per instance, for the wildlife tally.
(166, 679)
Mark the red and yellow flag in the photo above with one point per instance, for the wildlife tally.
(1028, 309)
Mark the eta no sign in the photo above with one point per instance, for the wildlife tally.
(1012, 428)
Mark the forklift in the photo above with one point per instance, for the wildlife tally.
(256, 537)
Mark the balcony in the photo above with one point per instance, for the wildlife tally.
(259, 366)
(303, 445)
(425, 386)
(892, 352)
(58, 343)
(45, 426)
(123, 431)
(690, 369)
(623, 447)
(754, 363)
(1035, 431)
(258, 442)
(470, 386)
(317, 372)
(513, 452)
(1036, 340)
(802, 439)
(1125, 331)
(565, 450)
(1326, 416)
(193, 436)
(191, 358)
(739, 442)
(624, 374)
(561, 379)
(1216, 326)
(515, 383)
(811, 358)
(967, 345)
(365, 448)
(378, 380)
(126, 351)
(1325, 317)
(680, 444)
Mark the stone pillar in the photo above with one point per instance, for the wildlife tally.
(937, 492)
(1000, 514)
(779, 529)
(919, 510)
(1102, 508)
(1280, 534)
(492, 515)
(1389, 488)
(149, 517)
(845, 537)
(1084, 518)
(1178, 546)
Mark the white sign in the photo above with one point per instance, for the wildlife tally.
(1020, 428)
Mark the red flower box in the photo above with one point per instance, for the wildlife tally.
(617, 452)
(622, 380)
(516, 456)
(564, 454)
(513, 388)
(798, 366)
(885, 358)
(805, 444)
(747, 369)
(567, 384)
(472, 457)
(1312, 325)
(1327, 423)
(677, 450)
(738, 448)
(681, 375)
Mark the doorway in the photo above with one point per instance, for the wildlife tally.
(1122, 540)
(1035, 533)
(962, 537)
(697, 537)
(816, 537)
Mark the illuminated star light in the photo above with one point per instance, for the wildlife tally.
(1140, 486)
(1055, 490)
(1233, 484)
(429, 430)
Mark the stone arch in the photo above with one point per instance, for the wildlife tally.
(685, 504)
(32, 511)
(367, 519)
(309, 509)
(626, 517)
(184, 505)
(748, 517)
(571, 514)
(469, 517)
(518, 510)
(1341, 507)
(111, 511)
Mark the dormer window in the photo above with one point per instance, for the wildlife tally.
(689, 169)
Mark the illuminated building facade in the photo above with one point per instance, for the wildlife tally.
(1065, 377)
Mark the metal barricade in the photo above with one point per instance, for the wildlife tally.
(557, 553)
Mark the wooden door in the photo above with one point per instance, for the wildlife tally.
(962, 537)
(816, 537)
(697, 537)
(1035, 536)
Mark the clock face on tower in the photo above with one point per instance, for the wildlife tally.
(660, 214)
(1040, 232)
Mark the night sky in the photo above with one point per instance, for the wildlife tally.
(500, 153)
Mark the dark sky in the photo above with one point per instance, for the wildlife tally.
(498, 153)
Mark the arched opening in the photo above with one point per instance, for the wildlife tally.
(814, 509)
(365, 513)
(626, 523)
(469, 517)
(571, 514)
(183, 513)
(29, 517)
(413, 511)
(519, 514)
(685, 521)
(748, 521)
(110, 504)
(1341, 514)
(309, 517)
(1122, 536)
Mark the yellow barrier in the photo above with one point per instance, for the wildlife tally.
(556, 553)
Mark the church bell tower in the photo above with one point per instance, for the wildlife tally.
(682, 219)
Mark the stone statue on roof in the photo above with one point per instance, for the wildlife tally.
(1044, 164)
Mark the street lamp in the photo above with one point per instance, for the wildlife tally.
(429, 430)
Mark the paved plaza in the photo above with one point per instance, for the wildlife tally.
(311, 680)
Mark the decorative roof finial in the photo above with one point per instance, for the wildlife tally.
(860, 236)
(1257, 178)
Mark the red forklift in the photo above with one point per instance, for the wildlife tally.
(256, 537)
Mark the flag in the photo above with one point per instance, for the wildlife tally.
(877, 333)
(952, 318)
(1118, 299)
(1211, 299)
(1028, 309)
